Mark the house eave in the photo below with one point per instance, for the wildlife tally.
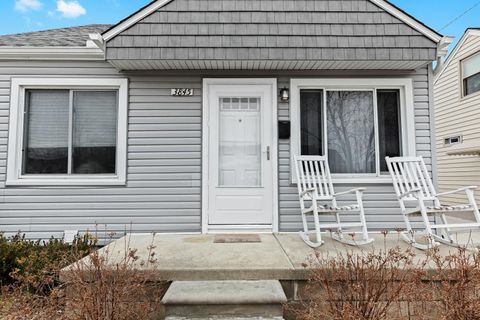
(302, 65)
(51, 53)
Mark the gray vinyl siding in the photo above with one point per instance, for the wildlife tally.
(164, 163)
(163, 191)
(279, 30)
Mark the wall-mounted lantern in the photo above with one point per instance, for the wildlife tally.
(284, 95)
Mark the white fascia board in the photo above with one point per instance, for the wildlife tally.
(134, 19)
(51, 53)
(408, 20)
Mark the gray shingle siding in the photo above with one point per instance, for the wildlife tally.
(232, 29)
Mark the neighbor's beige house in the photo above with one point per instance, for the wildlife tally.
(457, 117)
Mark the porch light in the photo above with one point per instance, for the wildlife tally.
(284, 95)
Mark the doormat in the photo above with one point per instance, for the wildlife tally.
(237, 238)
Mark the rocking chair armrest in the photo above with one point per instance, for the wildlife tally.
(408, 193)
(459, 190)
(350, 191)
(311, 190)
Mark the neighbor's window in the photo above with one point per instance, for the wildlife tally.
(471, 75)
(362, 128)
(70, 132)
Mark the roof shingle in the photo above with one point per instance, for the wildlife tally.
(65, 37)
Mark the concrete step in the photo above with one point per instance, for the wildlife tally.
(232, 300)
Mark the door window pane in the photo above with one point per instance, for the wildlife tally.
(46, 132)
(351, 131)
(240, 142)
(389, 125)
(311, 105)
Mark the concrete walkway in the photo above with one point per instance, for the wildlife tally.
(275, 256)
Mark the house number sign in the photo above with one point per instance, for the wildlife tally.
(181, 92)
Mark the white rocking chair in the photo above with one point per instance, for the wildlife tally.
(413, 183)
(315, 188)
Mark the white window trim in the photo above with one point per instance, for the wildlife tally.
(16, 127)
(407, 117)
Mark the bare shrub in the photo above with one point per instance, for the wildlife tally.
(370, 285)
(30, 273)
(392, 284)
(102, 286)
(456, 284)
(106, 285)
(35, 265)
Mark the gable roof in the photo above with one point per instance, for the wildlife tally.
(64, 37)
(268, 34)
(157, 4)
(469, 32)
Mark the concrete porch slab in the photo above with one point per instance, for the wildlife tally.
(276, 257)
(198, 257)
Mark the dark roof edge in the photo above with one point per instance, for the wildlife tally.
(414, 18)
(125, 19)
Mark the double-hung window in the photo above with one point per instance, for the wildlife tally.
(67, 131)
(471, 74)
(355, 123)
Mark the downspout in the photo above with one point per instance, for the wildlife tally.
(433, 70)
(433, 141)
(96, 41)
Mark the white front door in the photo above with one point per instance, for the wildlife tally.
(240, 146)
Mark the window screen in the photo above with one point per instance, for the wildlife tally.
(46, 132)
(70, 132)
(94, 131)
